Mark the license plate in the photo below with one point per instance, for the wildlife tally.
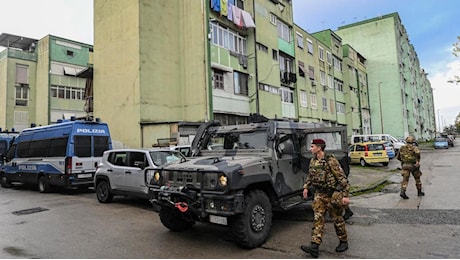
(86, 175)
(377, 154)
(218, 220)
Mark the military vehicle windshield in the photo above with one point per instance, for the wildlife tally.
(238, 140)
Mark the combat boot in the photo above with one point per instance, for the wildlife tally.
(342, 247)
(403, 195)
(313, 249)
(348, 214)
(420, 193)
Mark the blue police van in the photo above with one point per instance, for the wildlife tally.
(6, 138)
(65, 154)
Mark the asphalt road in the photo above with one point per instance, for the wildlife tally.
(72, 224)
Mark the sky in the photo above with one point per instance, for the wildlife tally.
(432, 26)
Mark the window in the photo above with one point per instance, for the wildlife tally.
(273, 19)
(321, 53)
(338, 85)
(337, 63)
(330, 81)
(301, 69)
(311, 72)
(303, 98)
(329, 57)
(218, 79)
(240, 81)
(322, 75)
(228, 39)
(70, 53)
(313, 101)
(299, 40)
(285, 63)
(268, 88)
(22, 74)
(340, 108)
(82, 146)
(284, 32)
(324, 104)
(310, 46)
(101, 144)
(287, 95)
(65, 92)
(262, 47)
(22, 95)
(275, 55)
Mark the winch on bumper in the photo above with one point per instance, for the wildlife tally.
(199, 205)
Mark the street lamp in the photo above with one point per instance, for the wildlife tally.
(380, 103)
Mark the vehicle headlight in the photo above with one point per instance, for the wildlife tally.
(223, 180)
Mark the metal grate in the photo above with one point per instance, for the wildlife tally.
(29, 211)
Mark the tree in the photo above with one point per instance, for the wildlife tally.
(456, 53)
(457, 123)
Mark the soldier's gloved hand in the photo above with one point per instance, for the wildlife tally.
(417, 164)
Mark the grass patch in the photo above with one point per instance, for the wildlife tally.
(378, 188)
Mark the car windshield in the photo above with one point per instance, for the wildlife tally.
(440, 140)
(375, 147)
(163, 157)
(239, 140)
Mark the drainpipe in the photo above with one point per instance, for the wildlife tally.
(359, 103)
(255, 59)
(209, 112)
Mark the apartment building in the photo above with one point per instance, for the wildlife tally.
(39, 80)
(398, 86)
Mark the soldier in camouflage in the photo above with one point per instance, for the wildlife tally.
(330, 186)
(409, 155)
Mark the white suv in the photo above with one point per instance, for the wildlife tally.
(122, 171)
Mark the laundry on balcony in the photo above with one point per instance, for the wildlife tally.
(247, 20)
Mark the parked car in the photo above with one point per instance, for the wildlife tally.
(122, 171)
(441, 142)
(367, 153)
(186, 150)
(390, 150)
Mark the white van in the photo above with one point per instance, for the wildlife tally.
(377, 137)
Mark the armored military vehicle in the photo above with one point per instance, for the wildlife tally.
(239, 174)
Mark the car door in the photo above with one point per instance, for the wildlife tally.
(116, 171)
(134, 172)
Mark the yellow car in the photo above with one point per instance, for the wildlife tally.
(368, 152)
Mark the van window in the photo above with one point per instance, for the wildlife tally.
(2, 147)
(101, 144)
(58, 147)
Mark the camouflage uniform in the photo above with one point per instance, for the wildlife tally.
(329, 183)
(409, 155)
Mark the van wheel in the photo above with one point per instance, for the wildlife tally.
(103, 192)
(252, 227)
(362, 162)
(4, 181)
(43, 186)
(385, 164)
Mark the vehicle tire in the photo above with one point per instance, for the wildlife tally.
(172, 219)
(4, 181)
(385, 164)
(43, 185)
(362, 162)
(103, 192)
(252, 227)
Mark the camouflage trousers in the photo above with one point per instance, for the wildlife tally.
(323, 202)
(406, 171)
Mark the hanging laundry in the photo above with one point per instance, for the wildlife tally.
(215, 5)
(247, 19)
(223, 7)
(237, 16)
(230, 3)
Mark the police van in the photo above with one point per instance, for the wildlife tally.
(65, 154)
(6, 138)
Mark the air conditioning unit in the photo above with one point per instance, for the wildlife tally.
(313, 83)
(325, 88)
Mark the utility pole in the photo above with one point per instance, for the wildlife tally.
(380, 103)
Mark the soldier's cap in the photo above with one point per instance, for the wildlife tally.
(318, 141)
